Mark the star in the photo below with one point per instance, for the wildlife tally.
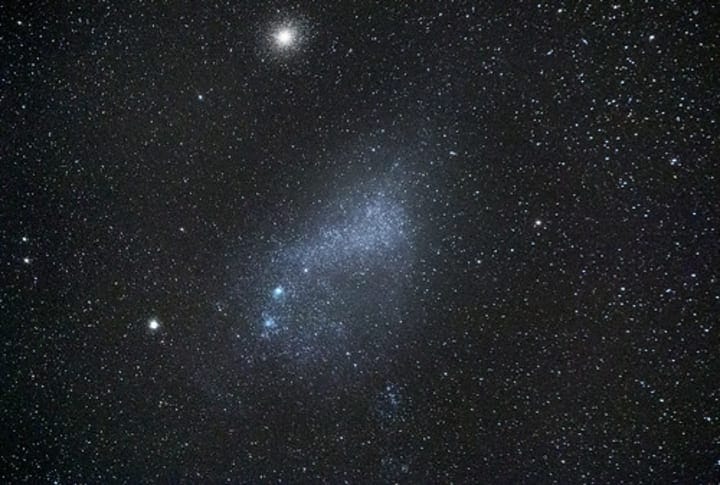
(278, 292)
(153, 324)
(26, 260)
(269, 323)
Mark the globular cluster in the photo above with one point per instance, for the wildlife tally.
(359, 242)
(285, 38)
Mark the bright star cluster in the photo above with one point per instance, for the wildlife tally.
(284, 37)
(287, 40)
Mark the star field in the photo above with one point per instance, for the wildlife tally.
(359, 242)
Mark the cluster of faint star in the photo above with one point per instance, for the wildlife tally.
(298, 308)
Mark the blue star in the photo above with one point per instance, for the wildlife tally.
(269, 323)
(278, 292)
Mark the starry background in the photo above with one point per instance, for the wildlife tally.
(417, 243)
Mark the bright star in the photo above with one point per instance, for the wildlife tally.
(278, 292)
(153, 324)
(284, 37)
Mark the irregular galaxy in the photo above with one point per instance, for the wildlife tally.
(341, 285)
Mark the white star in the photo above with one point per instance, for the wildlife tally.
(153, 324)
(284, 37)
(26, 260)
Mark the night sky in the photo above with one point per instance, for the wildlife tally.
(359, 242)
